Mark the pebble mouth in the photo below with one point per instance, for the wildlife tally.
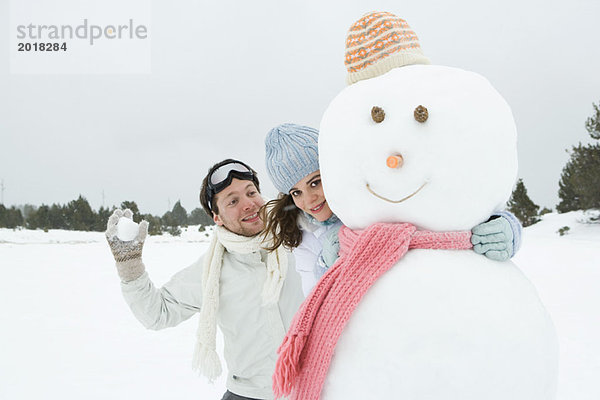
(394, 201)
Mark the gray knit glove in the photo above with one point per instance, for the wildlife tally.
(128, 254)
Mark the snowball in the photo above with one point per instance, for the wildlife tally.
(127, 229)
(464, 154)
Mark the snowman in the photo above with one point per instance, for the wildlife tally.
(412, 157)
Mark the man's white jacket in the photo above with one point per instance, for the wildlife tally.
(252, 333)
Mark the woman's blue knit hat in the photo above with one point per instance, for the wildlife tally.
(291, 154)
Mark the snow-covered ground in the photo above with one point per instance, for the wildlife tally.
(66, 333)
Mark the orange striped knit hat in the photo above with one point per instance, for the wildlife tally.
(378, 42)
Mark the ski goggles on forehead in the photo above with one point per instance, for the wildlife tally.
(222, 176)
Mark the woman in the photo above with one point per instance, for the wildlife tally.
(301, 220)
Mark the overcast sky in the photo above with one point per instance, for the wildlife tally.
(224, 73)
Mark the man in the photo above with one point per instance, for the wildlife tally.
(251, 293)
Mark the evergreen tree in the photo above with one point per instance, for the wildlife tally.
(40, 219)
(3, 216)
(56, 217)
(179, 214)
(522, 206)
(199, 217)
(80, 216)
(167, 220)
(592, 124)
(10, 217)
(569, 198)
(579, 186)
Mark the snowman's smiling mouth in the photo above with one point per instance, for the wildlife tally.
(395, 201)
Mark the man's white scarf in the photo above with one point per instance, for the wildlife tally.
(206, 361)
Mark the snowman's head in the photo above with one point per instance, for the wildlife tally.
(382, 161)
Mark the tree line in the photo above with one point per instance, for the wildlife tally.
(78, 215)
(579, 189)
(579, 185)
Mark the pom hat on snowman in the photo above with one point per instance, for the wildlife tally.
(379, 42)
(430, 186)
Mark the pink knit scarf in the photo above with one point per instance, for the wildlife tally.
(306, 351)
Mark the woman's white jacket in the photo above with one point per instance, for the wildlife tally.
(308, 252)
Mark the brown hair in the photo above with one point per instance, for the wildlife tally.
(206, 205)
(281, 222)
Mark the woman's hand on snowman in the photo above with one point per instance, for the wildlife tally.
(330, 248)
(499, 238)
(331, 245)
(127, 254)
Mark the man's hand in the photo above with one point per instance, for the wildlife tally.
(494, 239)
(127, 254)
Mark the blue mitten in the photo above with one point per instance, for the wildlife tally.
(330, 248)
(331, 245)
(499, 238)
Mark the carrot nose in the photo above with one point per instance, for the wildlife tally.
(394, 161)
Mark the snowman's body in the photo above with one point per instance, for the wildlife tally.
(440, 324)
(445, 324)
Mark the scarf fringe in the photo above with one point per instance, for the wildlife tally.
(206, 362)
(287, 366)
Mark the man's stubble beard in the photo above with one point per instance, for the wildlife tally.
(243, 232)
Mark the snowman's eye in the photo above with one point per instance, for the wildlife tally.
(377, 114)
(421, 114)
